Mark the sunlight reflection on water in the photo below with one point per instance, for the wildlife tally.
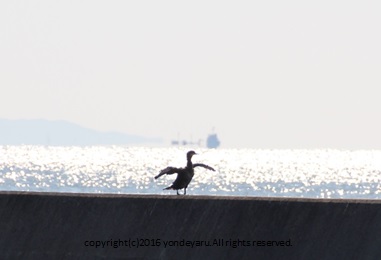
(239, 172)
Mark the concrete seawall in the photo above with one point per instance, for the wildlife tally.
(91, 226)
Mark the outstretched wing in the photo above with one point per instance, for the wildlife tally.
(168, 170)
(203, 165)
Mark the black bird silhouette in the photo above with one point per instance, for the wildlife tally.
(184, 175)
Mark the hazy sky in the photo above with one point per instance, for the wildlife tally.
(265, 74)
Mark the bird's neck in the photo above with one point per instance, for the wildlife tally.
(189, 162)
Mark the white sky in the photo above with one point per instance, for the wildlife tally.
(265, 74)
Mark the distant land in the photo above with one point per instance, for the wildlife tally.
(46, 132)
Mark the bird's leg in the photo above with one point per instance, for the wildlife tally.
(185, 191)
(177, 191)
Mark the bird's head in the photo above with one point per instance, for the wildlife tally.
(190, 154)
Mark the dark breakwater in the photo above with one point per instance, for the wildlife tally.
(91, 226)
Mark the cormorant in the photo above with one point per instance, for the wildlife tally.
(184, 175)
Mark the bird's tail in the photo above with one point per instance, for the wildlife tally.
(168, 188)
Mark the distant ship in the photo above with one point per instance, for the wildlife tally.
(212, 141)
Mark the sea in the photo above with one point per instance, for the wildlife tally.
(319, 173)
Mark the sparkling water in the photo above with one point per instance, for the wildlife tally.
(239, 172)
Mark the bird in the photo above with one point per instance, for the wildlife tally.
(184, 175)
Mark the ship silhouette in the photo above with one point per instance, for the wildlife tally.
(212, 141)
